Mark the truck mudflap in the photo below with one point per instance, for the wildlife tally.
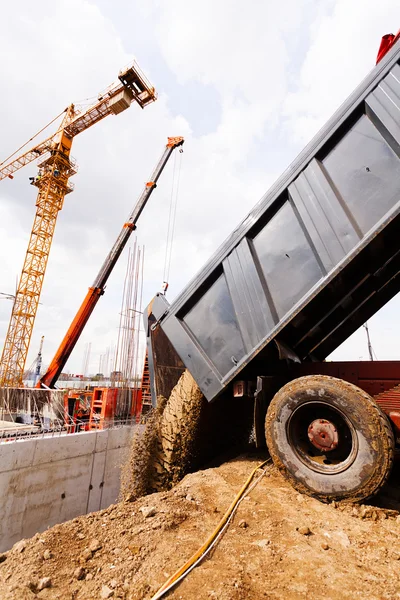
(265, 391)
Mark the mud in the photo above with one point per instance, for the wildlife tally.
(280, 544)
(137, 474)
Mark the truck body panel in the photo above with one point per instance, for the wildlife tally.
(317, 256)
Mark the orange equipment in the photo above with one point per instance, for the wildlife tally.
(77, 410)
(49, 379)
(56, 167)
(108, 405)
(103, 407)
(137, 404)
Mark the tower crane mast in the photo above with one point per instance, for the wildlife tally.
(56, 166)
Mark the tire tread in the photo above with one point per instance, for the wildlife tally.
(381, 475)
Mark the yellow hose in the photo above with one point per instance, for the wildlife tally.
(197, 555)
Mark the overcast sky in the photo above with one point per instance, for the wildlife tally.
(246, 83)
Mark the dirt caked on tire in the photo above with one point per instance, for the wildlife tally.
(177, 432)
(329, 439)
(190, 432)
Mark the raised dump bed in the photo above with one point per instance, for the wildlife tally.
(317, 256)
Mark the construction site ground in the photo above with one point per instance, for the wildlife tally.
(280, 544)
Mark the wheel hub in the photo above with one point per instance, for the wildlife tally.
(323, 435)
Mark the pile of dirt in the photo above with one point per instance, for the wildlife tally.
(280, 545)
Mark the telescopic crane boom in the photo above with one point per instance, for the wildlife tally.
(56, 166)
(49, 379)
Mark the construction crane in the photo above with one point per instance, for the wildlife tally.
(38, 362)
(49, 379)
(56, 166)
(33, 373)
(370, 349)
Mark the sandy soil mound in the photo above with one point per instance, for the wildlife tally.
(280, 545)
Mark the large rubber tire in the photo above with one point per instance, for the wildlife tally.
(357, 467)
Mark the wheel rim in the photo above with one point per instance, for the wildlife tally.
(322, 437)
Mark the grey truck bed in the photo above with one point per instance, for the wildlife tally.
(316, 257)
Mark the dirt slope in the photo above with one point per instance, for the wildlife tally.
(280, 545)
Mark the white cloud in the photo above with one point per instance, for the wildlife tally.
(343, 49)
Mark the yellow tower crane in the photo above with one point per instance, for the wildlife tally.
(55, 168)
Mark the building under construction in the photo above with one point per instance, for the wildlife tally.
(94, 407)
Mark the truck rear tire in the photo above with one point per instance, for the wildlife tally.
(329, 439)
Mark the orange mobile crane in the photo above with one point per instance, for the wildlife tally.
(49, 379)
(56, 166)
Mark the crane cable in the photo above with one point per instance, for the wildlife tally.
(216, 535)
(175, 207)
(169, 220)
(33, 137)
(172, 216)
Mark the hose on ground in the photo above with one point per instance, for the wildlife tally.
(214, 537)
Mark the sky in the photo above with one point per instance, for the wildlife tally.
(246, 84)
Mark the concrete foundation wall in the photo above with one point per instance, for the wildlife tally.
(50, 480)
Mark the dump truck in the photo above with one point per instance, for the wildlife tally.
(250, 334)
